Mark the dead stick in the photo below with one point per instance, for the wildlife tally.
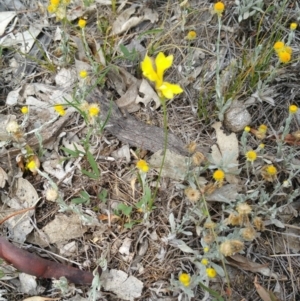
(32, 264)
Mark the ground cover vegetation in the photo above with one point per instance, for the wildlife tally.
(152, 144)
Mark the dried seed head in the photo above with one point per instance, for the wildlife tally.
(225, 248)
(192, 194)
(248, 233)
(191, 147)
(234, 219)
(51, 194)
(208, 239)
(296, 135)
(237, 245)
(210, 225)
(12, 127)
(229, 247)
(198, 158)
(258, 223)
(243, 208)
(209, 189)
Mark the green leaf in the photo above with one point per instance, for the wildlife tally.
(93, 163)
(2, 274)
(212, 292)
(103, 195)
(78, 201)
(126, 210)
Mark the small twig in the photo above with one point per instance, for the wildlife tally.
(16, 213)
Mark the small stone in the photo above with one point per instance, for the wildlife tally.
(236, 118)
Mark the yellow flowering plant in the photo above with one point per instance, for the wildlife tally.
(156, 74)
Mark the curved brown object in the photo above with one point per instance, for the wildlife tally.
(32, 264)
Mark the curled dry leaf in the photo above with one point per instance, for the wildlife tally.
(3, 177)
(131, 17)
(5, 18)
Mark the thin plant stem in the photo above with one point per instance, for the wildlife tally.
(164, 107)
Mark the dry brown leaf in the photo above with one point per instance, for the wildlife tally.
(175, 166)
(148, 94)
(3, 177)
(127, 100)
(5, 18)
(25, 196)
(263, 293)
(124, 286)
(64, 228)
(242, 262)
(113, 218)
(132, 17)
(227, 151)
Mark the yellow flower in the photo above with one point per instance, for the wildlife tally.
(191, 35)
(261, 146)
(185, 279)
(148, 70)
(288, 49)
(205, 261)
(162, 63)
(60, 110)
(205, 249)
(251, 156)
(24, 110)
(142, 165)
(31, 165)
(81, 23)
(93, 109)
(284, 56)
(211, 272)
(262, 128)
(247, 129)
(52, 8)
(271, 170)
(83, 74)
(269, 173)
(293, 26)
(219, 8)
(55, 2)
(169, 90)
(219, 175)
(293, 109)
(278, 46)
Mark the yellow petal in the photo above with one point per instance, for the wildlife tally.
(162, 63)
(147, 68)
(169, 90)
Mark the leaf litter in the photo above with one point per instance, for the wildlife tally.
(133, 95)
